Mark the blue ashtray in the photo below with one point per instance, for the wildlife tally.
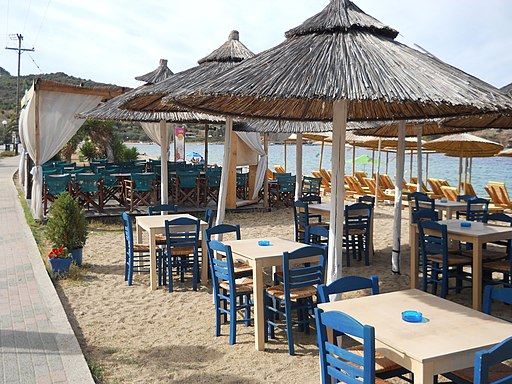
(412, 316)
(264, 243)
(443, 201)
(465, 224)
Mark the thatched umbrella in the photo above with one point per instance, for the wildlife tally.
(505, 153)
(110, 110)
(343, 65)
(226, 56)
(464, 145)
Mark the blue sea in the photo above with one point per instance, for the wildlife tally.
(440, 166)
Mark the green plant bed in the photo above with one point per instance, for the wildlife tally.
(7, 154)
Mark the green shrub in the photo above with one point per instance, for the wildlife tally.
(66, 226)
(88, 151)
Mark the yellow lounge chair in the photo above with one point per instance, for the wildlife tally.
(378, 194)
(450, 193)
(326, 185)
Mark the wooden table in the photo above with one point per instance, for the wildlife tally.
(448, 207)
(260, 257)
(477, 234)
(446, 342)
(156, 225)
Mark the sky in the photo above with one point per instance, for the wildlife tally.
(112, 41)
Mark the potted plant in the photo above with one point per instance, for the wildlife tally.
(60, 260)
(67, 226)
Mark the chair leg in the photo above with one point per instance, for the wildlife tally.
(217, 314)
(289, 329)
(232, 319)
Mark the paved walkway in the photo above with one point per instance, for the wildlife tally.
(37, 344)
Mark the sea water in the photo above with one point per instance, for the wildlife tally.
(439, 166)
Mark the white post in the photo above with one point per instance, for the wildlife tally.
(223, 191)
(460, 174)
(298, 167)
(465, 176)
(339, 130)
(419, 132)
(379, 147)
(400, 159)
(164, 153)
(285, 156)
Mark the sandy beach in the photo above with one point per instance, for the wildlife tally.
(135, 335)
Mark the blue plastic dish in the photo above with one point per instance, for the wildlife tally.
(443, 201)
(465, 224)
(264, 243)
(412, 316)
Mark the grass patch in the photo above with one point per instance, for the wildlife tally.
(96, 371)
(7, 154)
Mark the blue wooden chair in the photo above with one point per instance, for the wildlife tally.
(311, 199)
(303, 219)
(438, 264)
(498, 219)
(424, 214)
(137, 257)
(367, 199)
(339, 364)
(213, 178)
(348, 284)
(357, 232)
(421, 201)
(187, 187)
(209, 216)
(317, 234)
(242, 185)
(295, 293)
(54, 185)
(311, 186)
(240, 268)
(231, 295)
(490, 367)
(162, 209)
(492, 294)
(181, 253)
(477, 209)
(112, 186)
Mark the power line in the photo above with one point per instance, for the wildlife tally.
(20, 50)
(42, 21)
(31, 58)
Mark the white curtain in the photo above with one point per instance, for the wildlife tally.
(57, 125)
(22, 165)
(253, 140)
(153, 131)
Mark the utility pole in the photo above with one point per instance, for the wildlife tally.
(19, 37)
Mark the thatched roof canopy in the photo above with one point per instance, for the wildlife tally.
(343, 54)
(464, 145)
(111, 110)
(159, 74)
(226, 56)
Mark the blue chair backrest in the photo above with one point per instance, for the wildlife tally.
(500, 217)
(221, 268)
(311, 199)
(87, 183)
(286, 183)
(128, 234)
(348, 284)
(311, 185)
(57, 184)
(433, 243)
(357, 216)
(183, 237)
(278, 174)
(493, 293)
(477, 209)
(143, 181)
(367, 199)
(162, 208)
(484, 360)
(340, 364)
(298, 275)
(187, 178)
(317, 234)
(213, 175)
(208, 217)
(222, 229)
(421, 201)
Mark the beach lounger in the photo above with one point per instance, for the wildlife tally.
(379, 194)
(356, 187)
(450, 193)
(436, 184)
(360, 175)
(326, 184)
(499, 194)
(468, 189)
(279, 169)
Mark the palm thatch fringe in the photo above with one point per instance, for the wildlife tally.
(225, 57)
(159, 74)
(349, 59)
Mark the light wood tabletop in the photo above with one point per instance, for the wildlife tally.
(446, 341)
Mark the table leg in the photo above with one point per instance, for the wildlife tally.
(449, 214)
(259, 307)
(413, 242)
(423, 373)
(152, 262)
(139, 234)
(477, 275)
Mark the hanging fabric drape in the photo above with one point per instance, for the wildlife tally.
(22, 171)
(253, 141)
(399, 185)
(153, 131)
(224, 178)
(48, 125)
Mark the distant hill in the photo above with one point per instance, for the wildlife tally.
(8, 85)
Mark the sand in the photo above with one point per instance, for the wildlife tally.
(134, 335)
